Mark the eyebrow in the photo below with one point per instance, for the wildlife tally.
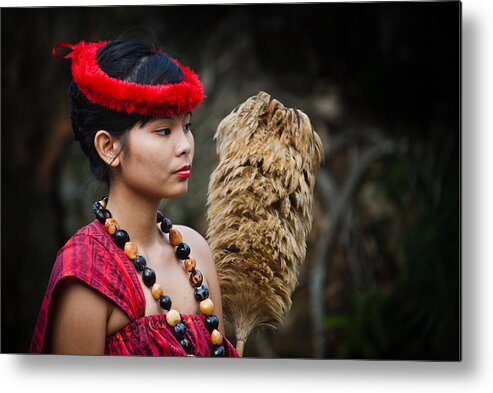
(169, 118)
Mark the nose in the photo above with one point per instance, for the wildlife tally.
(184, 144)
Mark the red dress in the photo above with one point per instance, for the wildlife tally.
(92, 256)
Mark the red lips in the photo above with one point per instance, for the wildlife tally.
(184, 168)
(184, 172)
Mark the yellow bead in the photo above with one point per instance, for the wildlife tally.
(216, 337)
(173, 317)
(111, 226)
(175, 237)
(131, 250)
(157, 291)
(206, 307)
(189, 264)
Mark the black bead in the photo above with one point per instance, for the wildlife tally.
(149, 277)
(121, 237)
(179, 330)
(201, 293)
(218, 351)
(102, 214)
(211, 322)
(183, 251)
(166, 225)
(186, 345)
(105, 199)
(165, 302)
(96, 207)
(139, 263)
(159, 216)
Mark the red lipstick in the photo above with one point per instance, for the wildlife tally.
(184, 172)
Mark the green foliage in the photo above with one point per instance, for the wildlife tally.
(419, 316)
(363, 331)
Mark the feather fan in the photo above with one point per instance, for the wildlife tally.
(259, 212)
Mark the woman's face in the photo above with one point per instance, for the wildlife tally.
(155, 155)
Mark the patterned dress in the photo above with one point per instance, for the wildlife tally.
(92, 256)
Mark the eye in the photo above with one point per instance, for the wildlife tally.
(164, 131)
(188, 127)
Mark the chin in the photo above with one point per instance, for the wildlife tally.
(176, 192)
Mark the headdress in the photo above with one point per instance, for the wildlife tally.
(166, 99)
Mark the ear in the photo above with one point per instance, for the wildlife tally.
(108, 148)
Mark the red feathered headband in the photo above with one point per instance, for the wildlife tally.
(162, 100)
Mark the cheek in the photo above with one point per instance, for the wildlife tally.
(148, 160)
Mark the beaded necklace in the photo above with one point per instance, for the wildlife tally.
(182, 251)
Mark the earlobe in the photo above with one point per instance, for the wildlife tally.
(107, 147)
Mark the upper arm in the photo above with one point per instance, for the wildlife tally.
(201, 251)
(78, 318)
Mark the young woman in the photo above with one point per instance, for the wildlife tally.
(131, 282)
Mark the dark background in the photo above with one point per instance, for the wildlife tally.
(381, 84)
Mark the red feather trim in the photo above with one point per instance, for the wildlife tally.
(112, 93)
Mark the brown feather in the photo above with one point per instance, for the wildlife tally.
(259, 212)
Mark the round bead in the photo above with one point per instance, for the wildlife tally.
(196, 278)
(121, 237)
(166, 225)
(173, 317)
(211, 322)
(102, 215)
(139, 263)
(190, 264)
(186, 345)
(111, 226)
(149, 277)
(216, 337)
(206, 307)
(165, 302)
(96, 206)
(218, 352)
(130, 250)
(159, 216)
(175, 237)
(201, 293)
(183, 251)
(179, 330)
(156, 291)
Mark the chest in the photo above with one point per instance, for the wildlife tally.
(175, 282)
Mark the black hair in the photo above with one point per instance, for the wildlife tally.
(129, 61)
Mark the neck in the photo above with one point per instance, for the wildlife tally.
(134, 213)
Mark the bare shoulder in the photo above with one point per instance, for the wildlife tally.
(190, 232)
(197, 242)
